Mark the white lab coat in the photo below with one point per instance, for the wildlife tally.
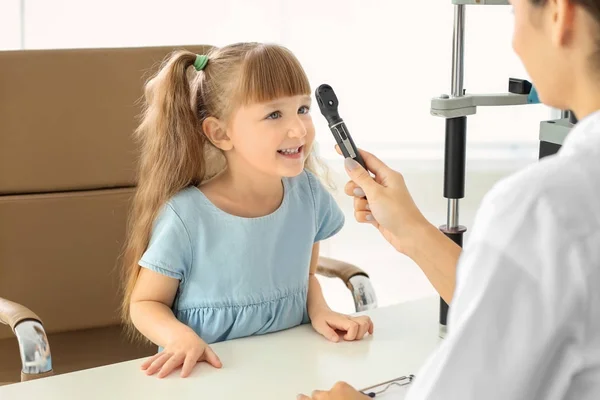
(524, 322)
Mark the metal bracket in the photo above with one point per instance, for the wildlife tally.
(447, 107)
(34, 347)
(363, 293)
(555, 131)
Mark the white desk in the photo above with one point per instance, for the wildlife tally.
(276, 366)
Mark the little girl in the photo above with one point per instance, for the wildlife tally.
(228, 216)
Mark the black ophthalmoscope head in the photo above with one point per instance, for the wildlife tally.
(328, 103)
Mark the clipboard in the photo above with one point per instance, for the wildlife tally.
(395, 389)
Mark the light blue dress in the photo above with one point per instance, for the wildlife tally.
(242, 276)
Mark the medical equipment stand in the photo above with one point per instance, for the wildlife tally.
(455, 108)
(554, 132)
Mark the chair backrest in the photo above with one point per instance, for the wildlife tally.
(67, 173)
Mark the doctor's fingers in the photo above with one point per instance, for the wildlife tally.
(320, 395)
(361, 204)
(365, 217)
(315, 395)
(352, 189)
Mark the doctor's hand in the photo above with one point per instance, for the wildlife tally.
(341, 391)
(388, 204)
(331, 325)
(186, 351)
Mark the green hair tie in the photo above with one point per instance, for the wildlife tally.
(201, 61)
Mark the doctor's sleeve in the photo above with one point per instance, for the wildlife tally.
(506, 340)
(169, 251)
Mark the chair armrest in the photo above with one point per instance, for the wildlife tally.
(33, 342)
(354, 278)
(12, 314)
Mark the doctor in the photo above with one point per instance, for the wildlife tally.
(524, 319)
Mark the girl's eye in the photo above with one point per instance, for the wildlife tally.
(274, 115)
(304, 110)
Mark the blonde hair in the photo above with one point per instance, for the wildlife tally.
(175, 153)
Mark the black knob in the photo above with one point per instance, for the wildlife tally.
(519, 86)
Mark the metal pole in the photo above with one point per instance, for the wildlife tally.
(457, 89)
(458, 50)
(455, 148)
(453, 213)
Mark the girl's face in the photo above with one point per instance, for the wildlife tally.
(274, 138)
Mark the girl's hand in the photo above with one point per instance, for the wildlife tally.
(328, 323)
(187, 350)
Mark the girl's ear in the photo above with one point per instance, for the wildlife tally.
(215, 132)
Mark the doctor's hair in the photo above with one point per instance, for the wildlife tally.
(591, 6)
(175, 152)
(593, 9)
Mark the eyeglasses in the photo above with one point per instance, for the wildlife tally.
(402, 381)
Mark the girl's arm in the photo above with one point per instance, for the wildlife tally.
(151, 303)
(323, 319)
(316, 300)
(151, 314)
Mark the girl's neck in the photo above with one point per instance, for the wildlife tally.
(246, 194)
(247, 184)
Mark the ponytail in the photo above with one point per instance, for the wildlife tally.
(172, 157)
